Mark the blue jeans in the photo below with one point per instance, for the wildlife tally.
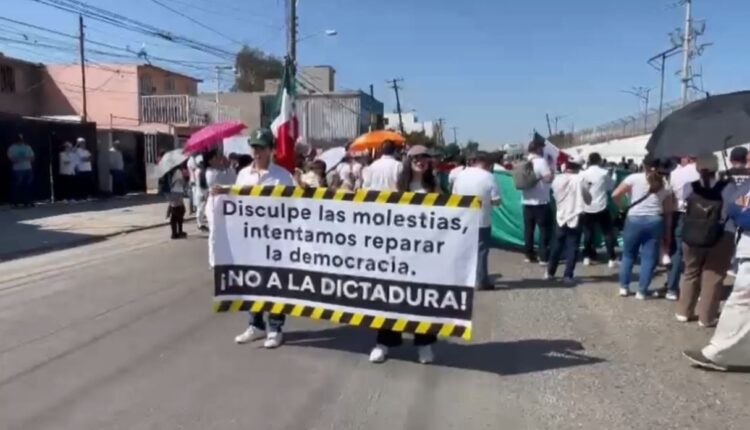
(22, 188)
(566, 243)
(644, 234)
(678, 264)
(485, 236)
(275, 321)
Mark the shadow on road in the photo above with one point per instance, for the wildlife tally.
(501, 358)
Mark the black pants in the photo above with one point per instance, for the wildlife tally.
(176, 218)
(85, 184)
(566, 244)
(65, 187)
(392, 338)
(533, 216)
(603, 220)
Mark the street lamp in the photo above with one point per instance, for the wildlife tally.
(328, 33)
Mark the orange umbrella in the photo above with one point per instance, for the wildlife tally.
(375, 139)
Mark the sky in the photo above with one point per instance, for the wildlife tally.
(492, 68)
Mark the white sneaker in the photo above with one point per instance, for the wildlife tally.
(547, 276)
(671, 296)
(587, 261)
(379, 354)
(426, 356)
(624, 292)
(273, 340)
(681, 318)
(612, 264)
(249, 335)
(640, 296)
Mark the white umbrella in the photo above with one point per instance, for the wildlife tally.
(333, 157)
(170, 160)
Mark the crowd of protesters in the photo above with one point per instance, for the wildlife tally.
(685, 215)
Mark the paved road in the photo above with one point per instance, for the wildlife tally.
(120, 335)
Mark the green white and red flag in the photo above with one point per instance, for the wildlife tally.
(286, 125)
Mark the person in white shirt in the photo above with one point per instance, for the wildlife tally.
(648, 218)
(571, 196)
(685, 173)
(263, 171)
(478, 180)
(349, 173)
(218, 171)
(537, 211)
(67, 172)
(86, 182)
(417, 176)
(117, 169)
(383, 173)
(599, 183)
(453, 174)
(194, 193)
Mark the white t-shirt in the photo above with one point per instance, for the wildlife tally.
(115, 160)
(453, 174)
(275, 175)
(474, 181)
(540, 193)
(653, 204)
(382, 175)
(84, 160)
(679, 177)
(350, 174)
(600, 184)
(68, 162)
(219, 177)
(568, 191)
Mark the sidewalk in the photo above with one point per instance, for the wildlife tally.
(63, 225)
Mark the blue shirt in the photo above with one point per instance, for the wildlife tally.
(20, 154)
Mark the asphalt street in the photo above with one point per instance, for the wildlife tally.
(120, 335)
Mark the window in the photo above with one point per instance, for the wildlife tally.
(147, 87)
(169, 86)
(385, 120)
(7, 79)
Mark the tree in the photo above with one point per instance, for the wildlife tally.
(452, 150)
(472, 146)
(418, 138)
(253, 68)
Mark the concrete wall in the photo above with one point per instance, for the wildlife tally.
(27, 79)
(322, 78)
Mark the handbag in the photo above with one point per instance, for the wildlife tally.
(623, 213)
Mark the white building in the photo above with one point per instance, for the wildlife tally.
(411, 124)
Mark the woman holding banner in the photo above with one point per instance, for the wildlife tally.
(416, 176)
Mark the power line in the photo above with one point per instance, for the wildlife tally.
(196, 22)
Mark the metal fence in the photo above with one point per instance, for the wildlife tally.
(184, 110)
(629, 126)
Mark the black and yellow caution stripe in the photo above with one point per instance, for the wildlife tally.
(360, 196)
(351, 318)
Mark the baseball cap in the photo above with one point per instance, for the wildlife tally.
(577, 159)
(261, 137)
(738, 154)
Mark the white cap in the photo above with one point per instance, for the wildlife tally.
(577, 159)
(81, 140)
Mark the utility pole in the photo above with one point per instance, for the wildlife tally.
(81, 39)
(455, 134)
(661, 67)
(292, 37)
(549, 126)
(394, 84)
(218, 90)
(643, 95)
(687, 49)
(440, 137)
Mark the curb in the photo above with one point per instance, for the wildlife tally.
(9, 256)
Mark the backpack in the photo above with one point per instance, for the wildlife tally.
(703, 224)
(524, 176)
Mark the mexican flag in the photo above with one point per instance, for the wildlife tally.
(286, 126)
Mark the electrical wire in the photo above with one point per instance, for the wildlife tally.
(196, 22)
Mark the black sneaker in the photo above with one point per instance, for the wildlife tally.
(700, 360)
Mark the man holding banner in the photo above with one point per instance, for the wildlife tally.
(391, 260)
(263, 172)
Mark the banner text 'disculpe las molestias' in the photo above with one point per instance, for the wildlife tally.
(379, 259)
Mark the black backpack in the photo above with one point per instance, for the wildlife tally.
(703, 222)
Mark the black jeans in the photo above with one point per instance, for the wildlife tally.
(533, 216)
(603, 220)
(392, 338)
(66, 185)
(566, 243)
(86, 184)
(176, 219)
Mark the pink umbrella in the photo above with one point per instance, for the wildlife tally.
(212, 135)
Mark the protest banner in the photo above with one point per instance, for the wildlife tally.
(379, 259)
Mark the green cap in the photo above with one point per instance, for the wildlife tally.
(261, 137)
